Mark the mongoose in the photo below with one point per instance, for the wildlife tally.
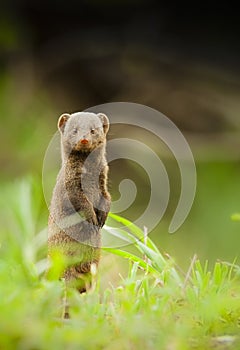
(80, 201)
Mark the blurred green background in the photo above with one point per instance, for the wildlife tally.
(60, 57)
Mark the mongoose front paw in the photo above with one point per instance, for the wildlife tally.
(89, 215)
(101, 217)
(93, 220)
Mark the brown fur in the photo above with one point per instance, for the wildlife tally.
(80, 201)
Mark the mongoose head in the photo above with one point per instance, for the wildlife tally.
(82, 131)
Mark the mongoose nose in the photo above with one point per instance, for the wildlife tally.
(84, 141)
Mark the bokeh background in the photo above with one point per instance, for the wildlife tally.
(70, 55)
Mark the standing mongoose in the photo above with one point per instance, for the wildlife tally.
(80, 201)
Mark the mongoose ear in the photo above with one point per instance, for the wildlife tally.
(62, 121)
(105, 122)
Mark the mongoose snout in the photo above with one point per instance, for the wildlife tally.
(84, 141)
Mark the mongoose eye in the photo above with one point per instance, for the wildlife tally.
(75, 131)
(92, 131)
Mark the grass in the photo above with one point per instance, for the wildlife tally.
(154, 306)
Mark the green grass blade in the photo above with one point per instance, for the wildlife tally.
(134, 258)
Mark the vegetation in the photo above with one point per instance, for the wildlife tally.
(154, 306)
(145, 300)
